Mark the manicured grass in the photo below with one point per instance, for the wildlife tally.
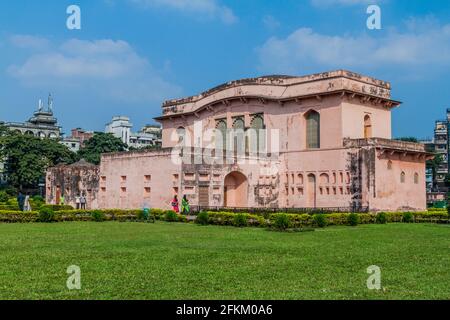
(186, 261)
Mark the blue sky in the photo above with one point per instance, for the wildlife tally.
(131, 55)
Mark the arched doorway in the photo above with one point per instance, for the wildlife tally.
(367, 127)
(235, 190)
(311, 191)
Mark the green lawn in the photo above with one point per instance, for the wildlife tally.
(186, 261)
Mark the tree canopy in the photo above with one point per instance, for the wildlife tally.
(101, 143)
(27, 157)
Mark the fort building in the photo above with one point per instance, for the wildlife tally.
(316, 141)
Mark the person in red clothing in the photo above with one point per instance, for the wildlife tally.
(175, 204)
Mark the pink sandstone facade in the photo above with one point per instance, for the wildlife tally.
(316, 141)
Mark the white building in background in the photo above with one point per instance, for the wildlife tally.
(120, 127)
(73, 144)
(42, 124)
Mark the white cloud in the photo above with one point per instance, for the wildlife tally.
(29, 42)
(416, 47)
(109, 68)
(271, 22)
(200, 8)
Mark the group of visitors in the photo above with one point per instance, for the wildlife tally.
(80, 201)
(24, 202)
(185, 208)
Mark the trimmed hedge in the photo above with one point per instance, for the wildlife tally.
(274, 220)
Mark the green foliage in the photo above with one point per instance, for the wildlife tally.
(170, 216)
(101, 143)
(46, 215)
(282, 222)
(38, 198)
(57, 207)
(320, 220)
(381, 218)
(353, 219)
(98, 216)
(27, 157)
(408, 139)
(202, 218)
(3, 196)
(408, 217)
(240, 220)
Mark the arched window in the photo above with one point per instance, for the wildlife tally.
(239, 136)
(221, 133)
(402, 177)
(416, 178)
(312, 130)
(367, 127)
(257, 124)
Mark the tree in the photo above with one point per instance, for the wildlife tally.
(408, 139)
(434, 165)
(27, 157)
(101, 143)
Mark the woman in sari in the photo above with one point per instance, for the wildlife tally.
(175, 204)
(185, 205)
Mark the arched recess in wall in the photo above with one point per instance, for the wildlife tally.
(311, 191)
(181, 134)
(402, 177)
(29, 132)
(324, 178)
(312, 119)
(221, 133)
(416, 178)
(367, 127)
(389, 165)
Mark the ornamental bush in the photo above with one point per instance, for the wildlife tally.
(381, 218)
(240, 220)
(320, 220)
(202, 218)
(170, 216)
(281, 222)
(353, 219)
(46, 215)
(408, 217)
(98, 215)
(3, 196)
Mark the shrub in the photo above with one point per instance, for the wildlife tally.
(353, 219)
(381, 218)
(282, 221)
(57, 207)
(170, 216)
(320, 220)
(38, 198)
(3, 196)
(98, 216)
(202, 218)
(408, 217)
(46, 215)
(240, 220)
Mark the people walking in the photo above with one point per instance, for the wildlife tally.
(26, 204)
(185, 209)
(175, 204)
(20, 200)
